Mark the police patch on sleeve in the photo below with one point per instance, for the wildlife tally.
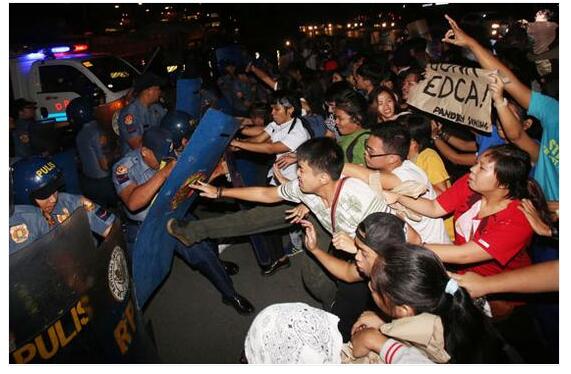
(102, 214)
(122, 174)
(129, 119)
(19, 233)
(87, 204)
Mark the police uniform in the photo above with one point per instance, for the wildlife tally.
(93, 145)
(132, 170)
(99, 218)
(21, 138)
(135, 118)
(26, 225)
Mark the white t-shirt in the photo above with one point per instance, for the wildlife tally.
(356, 201)
(431, 230)
(292, 139)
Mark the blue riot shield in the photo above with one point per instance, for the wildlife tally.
(71, 302)
(154, 247)
(188, 96)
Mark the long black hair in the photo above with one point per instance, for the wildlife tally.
(290, 99)
(406, 274)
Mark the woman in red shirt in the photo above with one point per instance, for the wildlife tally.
(491, 232)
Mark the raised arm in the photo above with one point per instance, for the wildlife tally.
(512, 126)
(456, 36)
(139, 196)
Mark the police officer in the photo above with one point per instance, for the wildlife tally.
(181, 127)
(37, 181)
(25, 112)
(137, 178)
(142, 113)
(94, 153)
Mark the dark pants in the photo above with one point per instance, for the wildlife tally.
(351, 300)
(262, 219)
(201, 256)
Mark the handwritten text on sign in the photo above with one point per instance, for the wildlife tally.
(456, 93)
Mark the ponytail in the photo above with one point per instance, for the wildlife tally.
(414, 276)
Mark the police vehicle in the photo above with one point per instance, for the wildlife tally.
(55, 75)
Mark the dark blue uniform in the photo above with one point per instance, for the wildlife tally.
(135, 118)
(132, 170)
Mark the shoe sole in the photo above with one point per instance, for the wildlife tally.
(173, 234)
(276, 270)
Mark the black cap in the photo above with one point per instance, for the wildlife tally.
(147, 80)
(22, 103)
(159, 141)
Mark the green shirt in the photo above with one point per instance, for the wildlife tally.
(353, 146)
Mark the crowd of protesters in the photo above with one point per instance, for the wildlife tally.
(423, 241)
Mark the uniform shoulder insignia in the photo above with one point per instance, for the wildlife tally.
(19, 233)
(129, 119)
(62, 217)
(121, 170)
(24, 138)
(102, 213)
(87, 204)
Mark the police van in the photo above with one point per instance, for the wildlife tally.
(54, 76)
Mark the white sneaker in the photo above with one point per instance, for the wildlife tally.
(222, 247)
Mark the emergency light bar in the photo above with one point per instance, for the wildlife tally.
(58, 51)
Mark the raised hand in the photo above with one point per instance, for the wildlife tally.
(455, 35)
(344, 242)
(206, 190)
(296, 214)
(310, 238)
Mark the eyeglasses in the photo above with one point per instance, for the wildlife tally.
(367, 151)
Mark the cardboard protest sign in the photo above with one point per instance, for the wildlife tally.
(457, 93)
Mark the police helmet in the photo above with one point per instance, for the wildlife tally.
(180, 124)
(79, 111)
(35, 178)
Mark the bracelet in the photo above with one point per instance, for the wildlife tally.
(219, 192)
(502, 104)
(554, 231)
(444, 135)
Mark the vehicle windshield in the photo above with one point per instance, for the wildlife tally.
(114, 73)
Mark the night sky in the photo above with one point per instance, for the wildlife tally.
(259, 23)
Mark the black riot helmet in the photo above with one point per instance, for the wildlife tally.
(180, 124)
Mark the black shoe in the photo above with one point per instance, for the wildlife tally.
(272, 268)
(230, 267)
(174, 228)
(240, 303)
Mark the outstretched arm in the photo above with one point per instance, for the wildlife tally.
(256, 194)
(536, 278)
(456, 36)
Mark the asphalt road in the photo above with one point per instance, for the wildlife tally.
(191, 324)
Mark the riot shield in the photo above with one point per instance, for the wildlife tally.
(188, 96)
(154, 247)
(71, 302)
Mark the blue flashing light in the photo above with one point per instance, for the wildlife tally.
(35, 56)
(58, 116)
(61, 49)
